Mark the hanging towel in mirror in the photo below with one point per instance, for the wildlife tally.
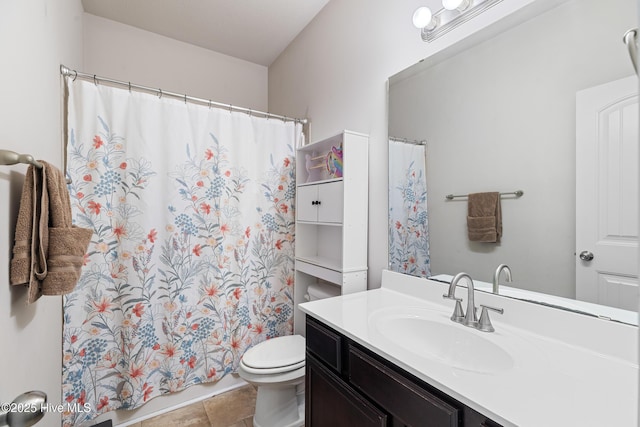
(48, 251)
(484, 217)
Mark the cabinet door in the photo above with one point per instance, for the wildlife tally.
(306, 207)
(321, 202)
(330, 196)
(332, 403)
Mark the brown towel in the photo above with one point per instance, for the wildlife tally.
(48, 251)
(22, 271)
(484, 217)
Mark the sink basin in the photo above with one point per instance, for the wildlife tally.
(431, 334)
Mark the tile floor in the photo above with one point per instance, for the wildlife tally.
(234, 408)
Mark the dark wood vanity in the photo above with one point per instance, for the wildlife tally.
(348, 385)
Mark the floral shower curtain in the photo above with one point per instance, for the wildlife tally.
(408, 220)
(191, 260)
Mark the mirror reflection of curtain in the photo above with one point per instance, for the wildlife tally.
(408, 219)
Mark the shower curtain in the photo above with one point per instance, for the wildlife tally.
(191, 261)
(408, 219)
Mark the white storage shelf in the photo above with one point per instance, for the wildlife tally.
(331, 216)
(313, 159)
(320, 245)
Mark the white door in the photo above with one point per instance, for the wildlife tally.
(607, 194)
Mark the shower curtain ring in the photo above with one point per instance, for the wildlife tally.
(185, 99)
(129, 87)
(159, 93)
(75, 75)
(209, 104)
(95, 80)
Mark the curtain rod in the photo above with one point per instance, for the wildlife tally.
(408, 141)
(65, 71)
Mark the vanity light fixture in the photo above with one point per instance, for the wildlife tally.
(453, 13)
(423, 18)
(461, 5)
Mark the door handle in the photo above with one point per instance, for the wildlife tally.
(26, 409)
(586, 256)
(629, 39)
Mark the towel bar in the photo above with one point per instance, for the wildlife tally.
(11, 158)
(517, 193)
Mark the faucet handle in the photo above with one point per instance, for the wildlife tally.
(458, 314)
(484, 324)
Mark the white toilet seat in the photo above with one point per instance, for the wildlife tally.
(269, 371)
(278, 352)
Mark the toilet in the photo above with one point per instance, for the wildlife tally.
(276, 367)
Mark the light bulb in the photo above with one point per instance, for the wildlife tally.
(422, 17)
(455, 4)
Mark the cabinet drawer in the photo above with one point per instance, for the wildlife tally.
(324, 344)
(330, 402)
(404, 399)
(476, 419)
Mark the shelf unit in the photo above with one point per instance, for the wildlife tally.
(332, 178)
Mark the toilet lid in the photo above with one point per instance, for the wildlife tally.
(276, 352)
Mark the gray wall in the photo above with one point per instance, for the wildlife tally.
(335, 73)
(36, 36)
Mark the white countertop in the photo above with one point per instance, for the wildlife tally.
(555, 380)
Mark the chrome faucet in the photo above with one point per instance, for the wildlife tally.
(471, 318)
(496, 276)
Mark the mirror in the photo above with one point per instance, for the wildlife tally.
(500, 115)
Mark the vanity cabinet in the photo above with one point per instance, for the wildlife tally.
(332, 183)
(348, 385)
